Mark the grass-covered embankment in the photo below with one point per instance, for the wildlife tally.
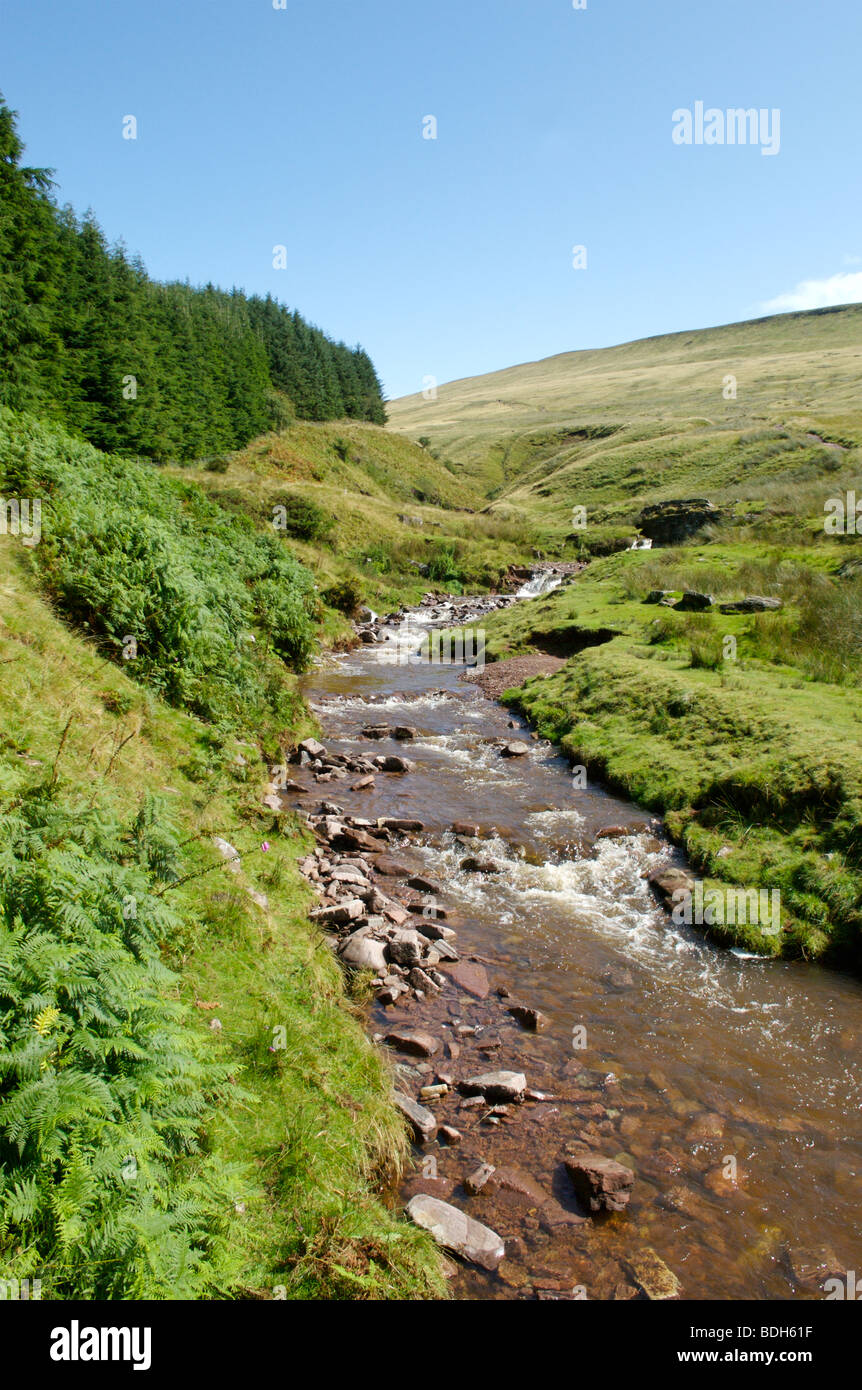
(146, 1153)
(750, 748)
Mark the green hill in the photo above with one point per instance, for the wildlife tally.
(788, 368)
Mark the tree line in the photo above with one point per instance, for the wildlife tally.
(137, 366)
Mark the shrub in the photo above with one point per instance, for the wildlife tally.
(303, 518)
(347, 595)
(214, 605)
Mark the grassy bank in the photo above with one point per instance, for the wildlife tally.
(749, 747)
(189, 1107)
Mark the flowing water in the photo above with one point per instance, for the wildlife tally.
(693, 1054)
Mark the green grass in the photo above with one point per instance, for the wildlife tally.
(304, 1139)
(754, 760)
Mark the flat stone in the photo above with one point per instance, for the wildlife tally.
(466, 828)
(390, 868)
(495, 1085)
(515, 749)
(705, 1126)
(423, 885)
(474, 865)
(429, 1187)
(456, 1231)
(418, 1043)
(421, 1120)
(407, 827)
(753, 603)
(471, 977)
(340, 914)
(516, 1180)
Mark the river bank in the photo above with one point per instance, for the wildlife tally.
(692, 1068)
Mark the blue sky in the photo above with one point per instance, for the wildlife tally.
(303, 127)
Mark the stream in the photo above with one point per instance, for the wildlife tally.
(729, 1083)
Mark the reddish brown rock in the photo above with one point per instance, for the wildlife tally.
(602, 1184)
(531, 1019)
(471, 977)
(413, 1041)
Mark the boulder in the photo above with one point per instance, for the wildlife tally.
(364, 953)
(476, 1181)
(667, 880)
(602, 1184)
(392, 763)
(405, 946)
(668, 523)
(693, 602)
(424, 885)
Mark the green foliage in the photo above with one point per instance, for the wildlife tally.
(216, 606)
(346, 595)
(168, 371)
(443, 566)
(104, 1086)
(303, 518)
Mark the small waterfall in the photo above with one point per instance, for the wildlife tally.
(542, 582)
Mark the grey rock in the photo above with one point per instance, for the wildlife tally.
(456, 1231)
(422, 1121)
(495, 1085)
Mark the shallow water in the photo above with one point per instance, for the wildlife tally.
(770, 1051)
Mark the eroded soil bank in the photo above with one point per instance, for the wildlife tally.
(729, 1084)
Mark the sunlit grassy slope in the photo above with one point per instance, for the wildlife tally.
(786, 368)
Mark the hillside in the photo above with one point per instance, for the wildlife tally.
(513, 431)
(677, 703)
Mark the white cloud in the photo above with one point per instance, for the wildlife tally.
(843, 288)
